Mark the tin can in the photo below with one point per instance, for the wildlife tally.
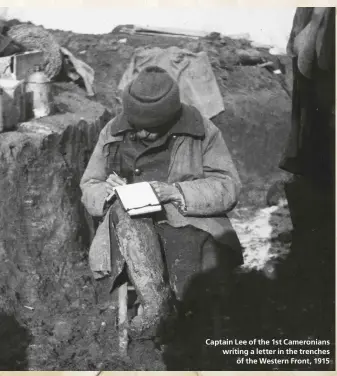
(39, 94)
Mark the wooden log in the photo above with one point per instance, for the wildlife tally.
(139, 244)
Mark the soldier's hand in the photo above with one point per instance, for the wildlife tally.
(114, 181)
(166, 192)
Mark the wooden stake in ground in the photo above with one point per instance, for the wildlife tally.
(123, 319)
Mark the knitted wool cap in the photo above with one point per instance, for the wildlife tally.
(152, 99)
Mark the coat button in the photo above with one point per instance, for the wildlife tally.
(137, 171)
(132, 136)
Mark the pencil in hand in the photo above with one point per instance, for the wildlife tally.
(114, 181)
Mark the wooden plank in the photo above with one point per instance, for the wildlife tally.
(18, 67)
(166, 35)
(171, 31)
(24, 64)
(123, 319)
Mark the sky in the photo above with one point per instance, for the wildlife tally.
(269, 26)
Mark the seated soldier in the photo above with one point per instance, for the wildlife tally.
(183, 155)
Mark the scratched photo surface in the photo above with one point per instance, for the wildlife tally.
(227, 114)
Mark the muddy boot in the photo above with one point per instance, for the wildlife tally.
(139, 244)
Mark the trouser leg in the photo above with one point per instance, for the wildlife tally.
(190, 252)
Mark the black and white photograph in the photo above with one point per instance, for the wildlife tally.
(167, 188)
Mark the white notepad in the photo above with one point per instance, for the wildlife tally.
(138, 198)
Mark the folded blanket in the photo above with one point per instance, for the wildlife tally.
(99, 254)
(76, 68)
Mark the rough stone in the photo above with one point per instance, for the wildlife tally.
(228, 58)
(62, 330)
(249, 56)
